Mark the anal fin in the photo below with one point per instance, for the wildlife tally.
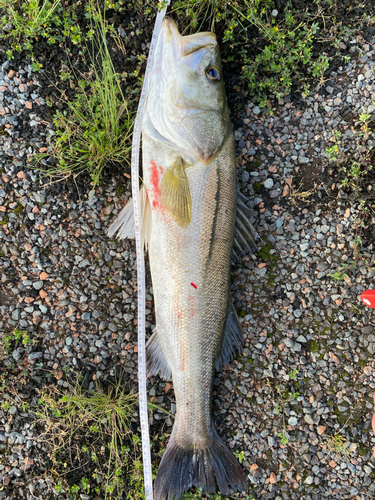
(156, 362)
(232, 340)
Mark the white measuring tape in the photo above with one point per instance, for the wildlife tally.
(146, 451)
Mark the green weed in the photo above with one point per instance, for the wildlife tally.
(339, 445)
(33, 20)
(240, 455)
(293, 374)
(10, 341)
(283, 436)
(96, 130)
(100, 419)
(354, 170)
(358, 260)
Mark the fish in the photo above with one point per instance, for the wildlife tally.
(193, 225)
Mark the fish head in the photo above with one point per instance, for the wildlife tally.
(187, 104)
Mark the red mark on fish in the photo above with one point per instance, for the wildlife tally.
(194, 285)
(191, 306)
(156, 173)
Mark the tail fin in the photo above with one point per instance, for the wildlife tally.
(181, 468)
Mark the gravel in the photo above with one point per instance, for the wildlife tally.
(74, 292)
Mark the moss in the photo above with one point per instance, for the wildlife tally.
(362, 449)
(257, 186)
(356, 417)
(241, 313)
(314, 346)
(254, 165)
(271, 279)
(266, 255)
(5, 220)
(341, 417)
(272, 259)
(19, 209)
(120, 190)
(363, 362)
(46, 251)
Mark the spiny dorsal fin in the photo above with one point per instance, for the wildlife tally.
(175, 192)
(245, 235)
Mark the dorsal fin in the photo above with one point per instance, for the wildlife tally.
(245, 235)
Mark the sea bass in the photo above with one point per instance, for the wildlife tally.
(189, 203)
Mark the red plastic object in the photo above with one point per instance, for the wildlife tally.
(368, 298)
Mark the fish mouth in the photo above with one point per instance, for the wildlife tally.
(190, 43)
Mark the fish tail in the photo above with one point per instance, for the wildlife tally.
(183, 467)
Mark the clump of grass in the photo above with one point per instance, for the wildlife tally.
(286, 56)
(355, 174)
(96, 425)
(10, 341)
(96, 128)
(338, 445)
(359, 168)
(28, 21)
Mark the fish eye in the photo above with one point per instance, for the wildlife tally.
(213, 74)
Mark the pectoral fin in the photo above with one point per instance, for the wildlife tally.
(175, 192)
(124, 223)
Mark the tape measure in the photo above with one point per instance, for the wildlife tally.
(143, 412)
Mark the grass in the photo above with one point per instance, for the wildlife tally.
(338, 445)
(92, 428)
(10, 341)
(355, 172)
(359, 167)
(281, 397)
(34, 20)
(97, 127)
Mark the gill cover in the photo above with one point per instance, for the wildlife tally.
(186, 107)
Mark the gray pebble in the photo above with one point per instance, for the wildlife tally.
(38, 285)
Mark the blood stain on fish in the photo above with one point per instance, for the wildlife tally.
(156, 173)
(191, 306)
